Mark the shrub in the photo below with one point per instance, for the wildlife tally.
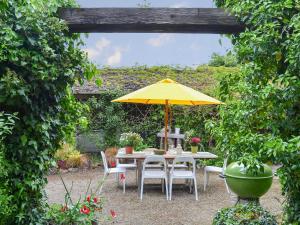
(248, 214)
(69, 155)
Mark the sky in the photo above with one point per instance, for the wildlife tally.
(130, 49)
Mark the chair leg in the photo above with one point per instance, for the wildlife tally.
(142, 188)
(170, 194)
(124, 183)
(166, 185)
(190, 185)
(136, 177)
(205, 178)
(195, 187)
(117, 179)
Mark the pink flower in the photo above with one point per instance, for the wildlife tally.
(113, 213)
(195, 140)
(95, 200)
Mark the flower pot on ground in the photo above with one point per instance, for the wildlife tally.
(248, 185)
(130, 141)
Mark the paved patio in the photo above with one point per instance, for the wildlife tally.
(155, 209)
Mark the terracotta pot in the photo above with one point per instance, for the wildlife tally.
(128, 149)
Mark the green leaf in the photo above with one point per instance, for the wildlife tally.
(23, 139)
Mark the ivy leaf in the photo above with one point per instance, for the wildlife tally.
(23, 139)
(278, 56)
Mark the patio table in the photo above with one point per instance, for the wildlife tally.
(140, 156)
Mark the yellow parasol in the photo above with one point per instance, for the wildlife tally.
(168, 92)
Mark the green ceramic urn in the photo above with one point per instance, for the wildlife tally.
(248, 185)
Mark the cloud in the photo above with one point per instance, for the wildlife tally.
(92, 53)
(179, 5)
(160, 40)
(115, 58)
(102, 44)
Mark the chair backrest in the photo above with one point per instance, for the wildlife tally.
(181, 159)
(105, 165)
(154, 159)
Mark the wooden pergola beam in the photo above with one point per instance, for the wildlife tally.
(150, 20)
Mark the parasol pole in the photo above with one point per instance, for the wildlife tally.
(166, 125)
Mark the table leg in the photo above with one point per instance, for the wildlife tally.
(139, 168)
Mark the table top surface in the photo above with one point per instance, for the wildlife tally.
(142, 155)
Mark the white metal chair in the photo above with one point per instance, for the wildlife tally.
(215, 169)
(116, 170)
(150, 173)
(175, 173)
(150, 151)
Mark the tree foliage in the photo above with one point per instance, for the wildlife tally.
(228, 60)
(261, 120)
(39, 62)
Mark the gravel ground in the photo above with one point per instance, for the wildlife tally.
(155, 209)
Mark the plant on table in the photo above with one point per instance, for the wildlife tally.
(195, 142)
(130, 141)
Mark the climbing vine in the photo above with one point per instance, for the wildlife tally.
(261, 121)
(39, 62)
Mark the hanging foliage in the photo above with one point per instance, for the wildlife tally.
(39, 62)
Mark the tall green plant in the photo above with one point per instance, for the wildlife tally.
(261, 120)
(39, 62)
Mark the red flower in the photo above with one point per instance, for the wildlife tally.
(88, 198)
(113, 213)
(85, 210)
(95, 200)
(122, 176)
(113, 164)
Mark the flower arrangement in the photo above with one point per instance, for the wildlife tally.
(195, 141)
(131, 139)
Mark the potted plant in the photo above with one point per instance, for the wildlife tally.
(194, 142)
(130, 141)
